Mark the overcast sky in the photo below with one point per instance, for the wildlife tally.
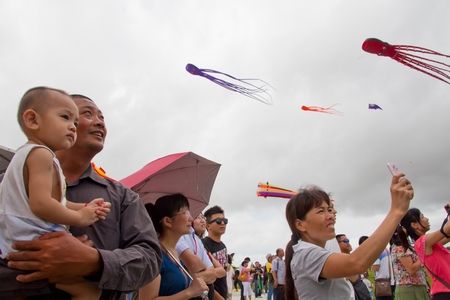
(130, 57)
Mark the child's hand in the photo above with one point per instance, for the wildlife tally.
(102, 207)
(88, 215)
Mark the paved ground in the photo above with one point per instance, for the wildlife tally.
(237, 296)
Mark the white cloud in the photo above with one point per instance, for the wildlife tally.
(130, 57)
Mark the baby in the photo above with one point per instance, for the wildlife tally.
(32, 193)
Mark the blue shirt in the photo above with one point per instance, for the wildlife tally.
(173, 280)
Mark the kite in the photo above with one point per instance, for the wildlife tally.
(253, 88)
(404, 54)
(326, 110)
(265, 190)
(374, 106)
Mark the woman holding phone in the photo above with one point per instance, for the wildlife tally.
(313, 272)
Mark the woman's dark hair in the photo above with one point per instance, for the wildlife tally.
(362, 239)
(412, 216)
(289, 292)
(400, 238)
(165, 206)
(297, 208)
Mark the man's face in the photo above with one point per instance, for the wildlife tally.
(216, 224)
(344, 244)
(91, 130)
(280, 253)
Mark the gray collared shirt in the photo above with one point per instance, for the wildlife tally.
(126, 239)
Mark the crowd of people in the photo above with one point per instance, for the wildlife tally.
(69, 232)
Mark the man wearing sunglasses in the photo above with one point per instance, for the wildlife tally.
(216, 224)
(344, 243)
(360, 290)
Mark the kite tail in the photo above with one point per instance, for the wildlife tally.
(419, 49)
(417, 67)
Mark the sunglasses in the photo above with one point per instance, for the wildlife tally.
(345, 241)
(219, 221)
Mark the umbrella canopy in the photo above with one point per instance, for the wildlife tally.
(186, 173)
(6, 155)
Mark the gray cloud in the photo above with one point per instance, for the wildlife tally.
(130, 57)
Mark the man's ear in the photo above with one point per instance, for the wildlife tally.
(30, 119)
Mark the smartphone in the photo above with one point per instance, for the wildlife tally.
(392, 168)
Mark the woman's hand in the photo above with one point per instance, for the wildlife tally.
(197, 287)
(401, 193)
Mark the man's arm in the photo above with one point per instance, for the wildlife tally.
(218, 268)
(44, 255)
(61, 257)
(274, 272)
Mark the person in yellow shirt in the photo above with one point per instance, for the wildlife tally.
(268, 277)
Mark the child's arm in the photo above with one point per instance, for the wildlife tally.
(74, 206)
(40, 169)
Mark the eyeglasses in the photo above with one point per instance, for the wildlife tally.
(201, 217)
(184, 212)
(345, 241)
(219, 221)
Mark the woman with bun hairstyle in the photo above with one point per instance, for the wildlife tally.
(172, 219)
(430, 249)
(409, 273)
(314, 271)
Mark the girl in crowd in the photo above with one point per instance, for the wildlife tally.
(199, 225)
(315, 272)
(430, 250)
(246, 278)
(409, 274)
(171, 218)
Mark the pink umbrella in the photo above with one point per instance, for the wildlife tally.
(186, 173)
(6, 155)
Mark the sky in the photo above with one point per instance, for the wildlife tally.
(130, 57)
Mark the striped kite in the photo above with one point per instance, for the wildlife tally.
(265, 190)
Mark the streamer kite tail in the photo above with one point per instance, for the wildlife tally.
(251, 87)
(326, 110)
(265, 190)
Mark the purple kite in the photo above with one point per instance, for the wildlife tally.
(374, 106)
(253, 88)
(401, 53)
